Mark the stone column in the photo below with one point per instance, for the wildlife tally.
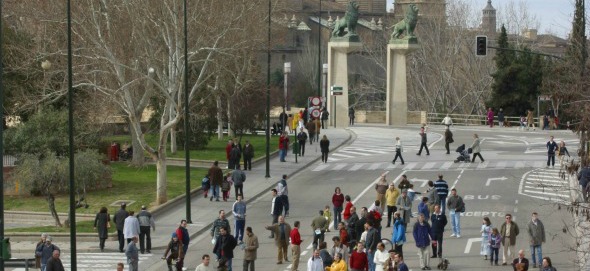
(397, 86)
(338, 76)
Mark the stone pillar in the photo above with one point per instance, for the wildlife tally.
(338, 76)
(397, 86)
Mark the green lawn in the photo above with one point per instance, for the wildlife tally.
(81, 227)
(215, 150)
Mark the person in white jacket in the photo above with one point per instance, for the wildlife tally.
(131, 227)
(381, 255)
(447, 121)
(315, 263)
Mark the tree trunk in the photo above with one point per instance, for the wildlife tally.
(173, 145)
(230, 132)
(219, 119)
(138, 154)
(161, 182)
(51, 203)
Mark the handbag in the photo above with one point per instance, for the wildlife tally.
(108, 224)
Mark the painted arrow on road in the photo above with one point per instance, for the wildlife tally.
(495, 179)
(470, 242)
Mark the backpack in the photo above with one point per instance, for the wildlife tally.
(225, 185)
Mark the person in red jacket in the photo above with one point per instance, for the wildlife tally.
(358, 259)
(283, 146)
(346, 214)
(337, 201)
(295, 245)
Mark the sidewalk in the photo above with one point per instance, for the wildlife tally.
(203, 211)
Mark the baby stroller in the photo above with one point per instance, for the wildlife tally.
(463, 154)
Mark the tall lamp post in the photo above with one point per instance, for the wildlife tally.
(73, 264)
(187, 163)
(1, 147)
(267, 158)
(319, 48)
(286, 71)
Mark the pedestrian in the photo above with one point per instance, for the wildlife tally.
(132, 254)
(456, 207)
(283, 118)
(224, 247)
(371, 242)
(206, 185)
(324, 116)
(422, 233)
(423, 141)
(219, 223)
(45, 252)
(40, 243)
(216, 176)
(448, 139)
(228, 148)
(490, 117)
(238, 177)
(398, 151)
(358, 259)
(375, 215)
(339, 264)
(442, 190)
(439, 221)
(390, 263)
(404, 184)
(381, 188)
(545, 122)
(315, 262)
(432, 196)
(476, 149)
(174, 252)
(351, 116)
(283, 193)
(235, 156)
(205, 264)
(102, 225)
(327, 259)
(283, 146)
(381, 255)
(351, 227)
(547, 265)
(486, 230)
(423, 208)
(536, 232)
(131, 227)
(310, 126)
(530, 120)
(295, 238)
(328, 216)
(562, 151)
(239, 212)
(55, 264)
(183, 236)
(398, 237)
(146, 220)
(301, 138)
(119, 220)
(412, 194)
(520, 263)
(250, 250)
(400, 263)
(325, 148)
(305, 116)
(281, 233)
(347, 206)
(523, 122)
(319, 225)
(509, 230)
(551, 149)
(121, 266)
(318, 126)
(343, 235)
(447, 121)
(338, 203)
(248, 155)
(276, 209)
(391, 196)
(226, 185)
(295, 123)
(359, 226)
(495, 240)
(339, 248)
(404, 205)
(500, 118)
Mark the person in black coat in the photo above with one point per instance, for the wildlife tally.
(325, 148)
(54, 263)
(439, 221)
(359, 226)
(224, 246)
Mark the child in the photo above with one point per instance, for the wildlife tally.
(206, 185)
(176, 253)
(226, 186)
(495, 241)
(328, 216)
(423, 208)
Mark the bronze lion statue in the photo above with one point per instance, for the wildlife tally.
(349, 21)
(408, 24)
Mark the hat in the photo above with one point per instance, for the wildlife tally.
(174, 235)
(48, 238)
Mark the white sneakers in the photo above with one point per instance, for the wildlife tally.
(456, 235)
(453, 235)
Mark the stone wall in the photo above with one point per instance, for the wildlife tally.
(414, 117)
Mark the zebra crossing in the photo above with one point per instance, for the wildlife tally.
(546, 184)
(434, 165)
(96, 261)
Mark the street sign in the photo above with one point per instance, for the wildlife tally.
(315, 101)
(335, 88)
(335, 93)
(315, 113)
(544, 97)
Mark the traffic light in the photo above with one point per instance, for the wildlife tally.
(481, 45)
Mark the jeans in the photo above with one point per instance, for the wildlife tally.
(240, 224)
(214, 191)
(282, 154)
(423, 145)
(144, 235)
(442, 203)
(285, 200)
(302, 148)
(538, 252)
(247, 163)
(551, 158)
(121, 238)
(398, 154)
(239, 190)
(494, 251)
(370, 256)
(455, 221)
(325, 157)
(337, 216)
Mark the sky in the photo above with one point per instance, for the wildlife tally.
(553, 16)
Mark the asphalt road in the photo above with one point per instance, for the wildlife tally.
(512, 180)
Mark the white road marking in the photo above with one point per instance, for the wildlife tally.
(470, 242)
(356, 167)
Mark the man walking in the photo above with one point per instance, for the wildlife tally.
(45, 251)
(239, 212)
(219, 223)
(248, 155)
(205, 264)
(234, 156)
(55, 264)
(551, 148)
(324, 116)
(371, 244)
(283, 192)
(310, 126)
(183, 236)
(398, 151)
(295, 246)
(250, 250)
(536, 232)
(132, 254)
(302, 138)
(281, 233)
(131, 227)
(276, 209)
(319, 225)
(508, 231)
(351, 116)
(216, 178)
(439, 221)
(224, 246)
(456, 207)
(119, 220)
(442, 191)
(239, 177)
(422, 233)
(146, 220)
(448, 139)
(423, 141)
(315, 262)
(283, 146)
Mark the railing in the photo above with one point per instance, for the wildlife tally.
(471, 120)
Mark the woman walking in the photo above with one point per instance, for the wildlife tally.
(476, 149)
(325, 148)
(561, 152)
(338, 202)
(490, 117)
(448, 139)
(486, 229)
(102, 224)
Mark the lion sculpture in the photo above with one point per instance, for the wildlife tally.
(349, 21)
(408, 24)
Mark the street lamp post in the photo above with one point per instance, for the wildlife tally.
(187, 163)
(1, 146)
(286, 71)
(73, 264)
(267, 158)
(319, 47)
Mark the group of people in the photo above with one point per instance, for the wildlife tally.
(234, 152)
(47, 255)
(216, 180)
(302, 138)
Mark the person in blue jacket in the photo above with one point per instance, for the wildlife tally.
(422, 235)
(399, 233)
